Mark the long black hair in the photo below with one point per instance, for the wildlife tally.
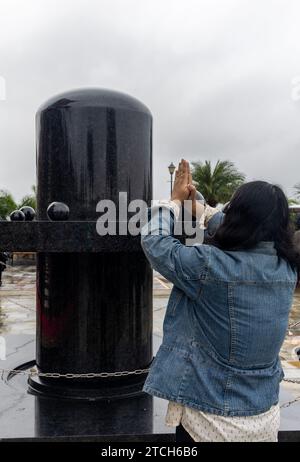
(258, 211)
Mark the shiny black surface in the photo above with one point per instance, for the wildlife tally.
(29, 213)
(133, 416)
(92, 144)
(94, 310)
(58, 211)
(17, 215)
(63, 237)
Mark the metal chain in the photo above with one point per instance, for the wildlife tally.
(297, 382)
(289, 403)
(33, 372)
(294, 324)
(92, 375)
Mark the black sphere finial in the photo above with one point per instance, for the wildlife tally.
(29, 212)
(58, 211)
(17, 215)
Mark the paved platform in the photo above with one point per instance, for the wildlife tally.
(17, 318)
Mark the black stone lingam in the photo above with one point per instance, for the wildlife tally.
(94, 309)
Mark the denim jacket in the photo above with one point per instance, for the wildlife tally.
(225, 322)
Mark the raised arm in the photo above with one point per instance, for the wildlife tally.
(183, 266)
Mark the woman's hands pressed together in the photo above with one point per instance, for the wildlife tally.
(184, 189)
(183, 179)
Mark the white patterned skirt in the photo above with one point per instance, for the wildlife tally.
(205, 427)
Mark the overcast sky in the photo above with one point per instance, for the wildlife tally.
(216, 75)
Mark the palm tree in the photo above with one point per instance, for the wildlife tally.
(217, 185)
(29, 199)
(7, 204)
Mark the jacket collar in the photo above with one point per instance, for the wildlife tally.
(266, 247)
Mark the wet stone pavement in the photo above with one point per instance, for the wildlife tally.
(17, 316)
(17, 300)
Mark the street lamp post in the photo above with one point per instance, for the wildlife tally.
(171, 171)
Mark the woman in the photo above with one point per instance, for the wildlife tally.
(227, 315)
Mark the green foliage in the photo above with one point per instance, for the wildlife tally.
(297, 188)
(292, 201)
(219, 183)
(29, 199)
(293, 214)
(7, 204)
